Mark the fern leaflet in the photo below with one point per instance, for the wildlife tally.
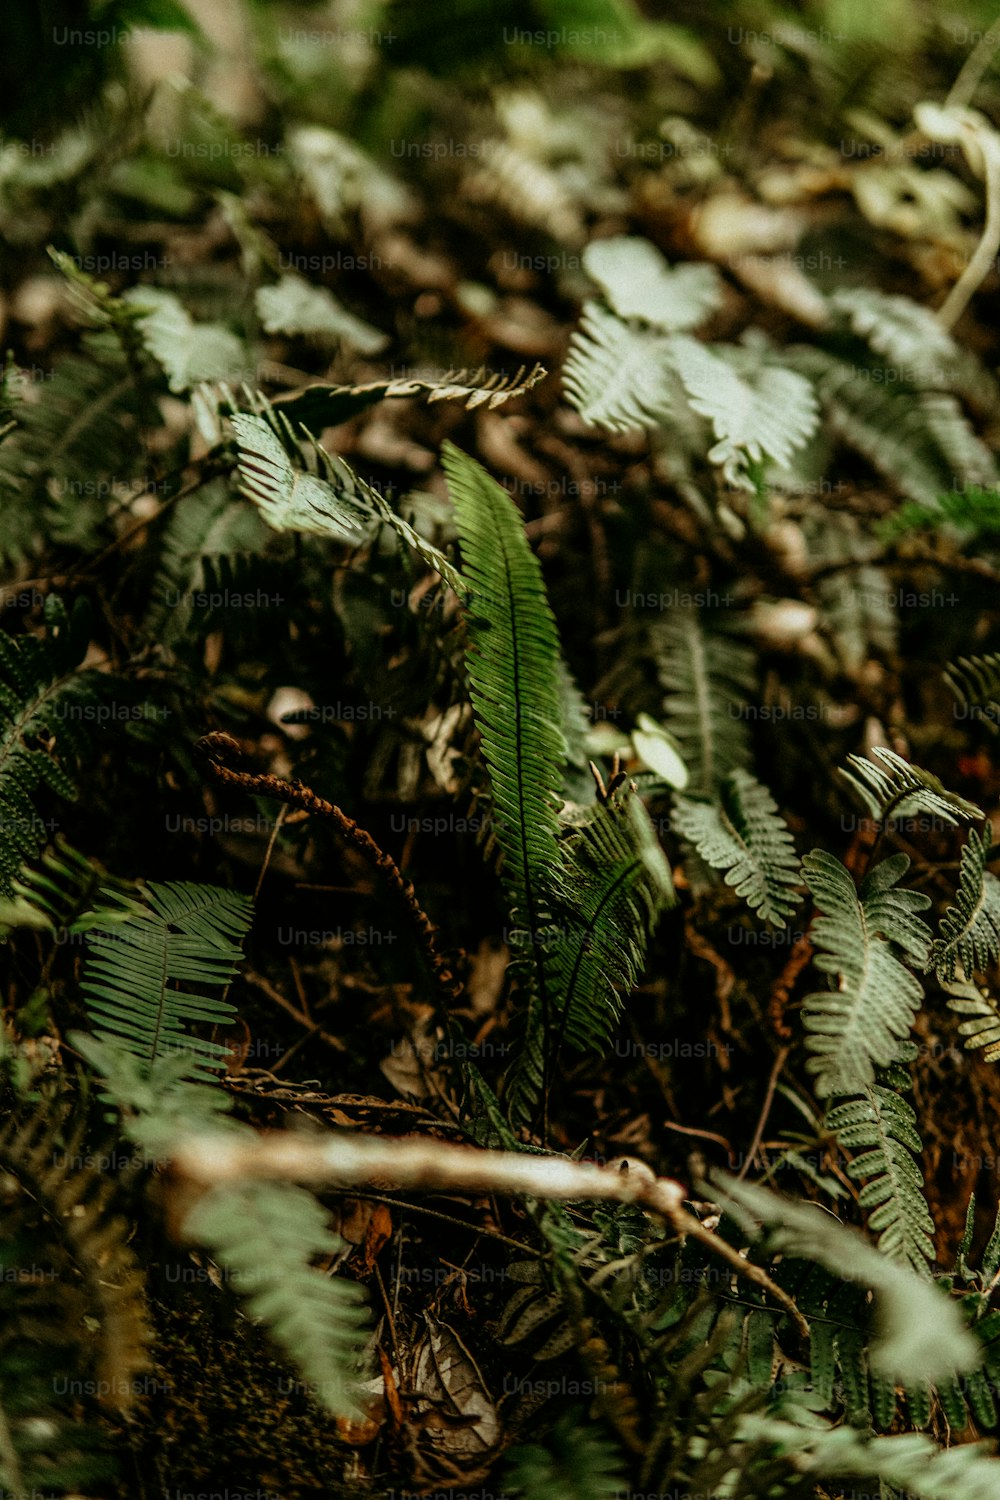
(861, 1023)
(746, 837)
(885, 1125)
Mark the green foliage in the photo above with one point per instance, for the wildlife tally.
(266, 1236)
(859, 1025)
(143, 950)
(708, 675)
(969, 934)
(885, 1126)
(745, 836)
(573, 1464)
(47, 702)
(893, 789)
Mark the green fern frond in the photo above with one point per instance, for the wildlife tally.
(975, 681)
(638, 283)
(187, 351)
(45, 704)
(921, 1335)
(299, 486)
(895, 789)
(612, 886)
(859, 1025)
(619, 377)
(974, 512)
(293, 306)
(203, 529)
(159, 1102)
(513, 666)
(576, 1462)
(745, 835)
(913, 1462)
(758, 411)
(970, 930)
(893, 1195)
(52, 894)
(291, 499)
(266, 1235)
(86, 421)
(142, 950)
(983, 1030)
(919, 441)
(708, 675)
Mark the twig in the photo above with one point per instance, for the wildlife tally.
(758, 1135)
(972, 70)
(348, 1160)
(300, 795)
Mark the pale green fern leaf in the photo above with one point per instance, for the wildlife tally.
(885, 1125)
(617, 376)
(744, 835)
(892, 788)
(859, 1025)
(970, 930)
(638, 283)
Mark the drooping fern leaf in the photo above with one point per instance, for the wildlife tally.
(885, 1125)
(707, 675)
(179, 934)
(299, 486)
(895, 789)
(983, 1029)
(745, 836)
(266, 1235)
(970, 930)
(859, 1025)
(975, 681)
(45, 704)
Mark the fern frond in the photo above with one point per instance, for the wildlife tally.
(187, 351)
(974, 512)
(293, 306)
(180, 933)
(707, 675)
(914, 1462)
(745, 835)
(319, 406)
(983, 1030)
(612, 886)
(909, 338)
(266, 1235)
(970, 930)
(975, 681)
(307, 489)
(616, 376)
(860, 1024)
(513, 666)
(52, 894)
(203, 528)
(86, 422)
(159, 1102)
(638, 283)
(921, 1335)
(575, 1463)
(756, 413)
(919, 441)
(45, 704)
(895, 789)
(291, 499)
(885, 1124)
